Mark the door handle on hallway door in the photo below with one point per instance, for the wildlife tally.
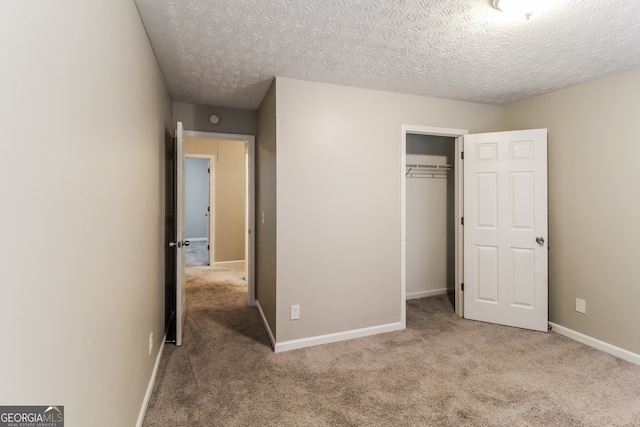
(179, 244)
(540, 240)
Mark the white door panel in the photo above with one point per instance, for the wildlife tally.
(505, 210)
(180, 234)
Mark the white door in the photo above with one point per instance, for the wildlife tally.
(209, 213)
(505, 228)
(180, 229)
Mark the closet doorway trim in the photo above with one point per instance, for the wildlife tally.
(458, 174)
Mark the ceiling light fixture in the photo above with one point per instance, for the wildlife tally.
(524, 8)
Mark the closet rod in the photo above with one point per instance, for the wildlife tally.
(429, 166)
(427, 171)
(427, 175)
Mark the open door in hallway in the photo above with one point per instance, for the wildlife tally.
(180, 229)
(175, 229)
(505, 228)
(170, 237)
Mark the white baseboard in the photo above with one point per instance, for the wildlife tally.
(196, 239)
(429, 293)
(336, 337)
(596, 343)
(152, 381)
(272, 339)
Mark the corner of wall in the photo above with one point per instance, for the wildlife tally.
(266, 210)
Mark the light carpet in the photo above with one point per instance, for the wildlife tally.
(440, 371)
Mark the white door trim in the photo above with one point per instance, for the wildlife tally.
(212, 197)
(436, 131)
(250, 176)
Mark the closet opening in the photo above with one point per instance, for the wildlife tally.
(431, 205)
(430, 216)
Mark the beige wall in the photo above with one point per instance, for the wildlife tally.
(230, 201)
(229, 204)
(84, 109)
(232, 120)
(266, 205)
(594, 146)
(338, 200)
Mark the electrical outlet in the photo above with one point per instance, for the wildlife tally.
(581, 306)
(150, 342)
(295, 312)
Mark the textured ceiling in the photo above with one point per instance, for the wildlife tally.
(225, 52)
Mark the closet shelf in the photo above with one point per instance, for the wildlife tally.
(427, 171)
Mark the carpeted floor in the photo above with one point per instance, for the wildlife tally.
(440, 371)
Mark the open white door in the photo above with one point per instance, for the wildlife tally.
(180, 230)
(505, 228)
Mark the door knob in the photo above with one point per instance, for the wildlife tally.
(540, 240)
(187, 243)
(173, 244)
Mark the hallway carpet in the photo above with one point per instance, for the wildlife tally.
(440, 371)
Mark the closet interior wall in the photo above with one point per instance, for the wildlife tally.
(430, 216)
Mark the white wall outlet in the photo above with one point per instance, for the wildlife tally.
(150, 342)
(295, 312)
(581, 306)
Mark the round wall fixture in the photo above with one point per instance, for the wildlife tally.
(214, 119)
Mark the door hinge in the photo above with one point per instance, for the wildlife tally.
(462, 155)
(208, 170)
(462, 286)
(461, 220)
(208, 208)
(207, 247)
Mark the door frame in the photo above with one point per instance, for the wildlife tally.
(212, 197)
(458, 177)
(250, 208)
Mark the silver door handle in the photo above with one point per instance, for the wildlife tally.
(179, 244)
(540, 240)
(186, 243)
(173, 244)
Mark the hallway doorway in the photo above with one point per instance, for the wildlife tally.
(230, 210)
